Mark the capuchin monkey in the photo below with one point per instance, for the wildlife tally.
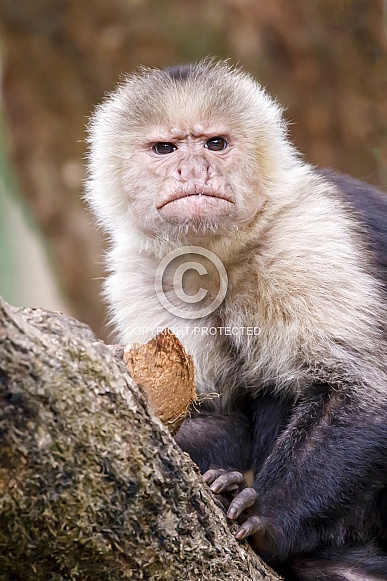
(274, 276)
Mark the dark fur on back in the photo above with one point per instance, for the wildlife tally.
(369, 205)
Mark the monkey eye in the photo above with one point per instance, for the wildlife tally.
(216, 144)
(164, 147)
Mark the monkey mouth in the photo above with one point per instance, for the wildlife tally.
(198, 196)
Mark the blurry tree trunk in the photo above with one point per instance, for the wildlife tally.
(47, 101)
(324, 59)
(91, 484)
(326, 62)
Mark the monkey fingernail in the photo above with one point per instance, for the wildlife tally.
(251, 526)
(232, 513)
(245, 499)
(219, 485)
(211, 475)
(241, 534)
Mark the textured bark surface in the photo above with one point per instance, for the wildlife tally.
(92, 485)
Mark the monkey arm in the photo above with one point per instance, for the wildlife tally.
(215, 440)
(316, 476)
(238, 440)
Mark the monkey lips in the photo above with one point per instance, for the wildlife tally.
(186, 205)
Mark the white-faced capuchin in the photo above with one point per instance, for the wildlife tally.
(274, 276)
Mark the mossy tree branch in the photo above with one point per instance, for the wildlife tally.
(92, 486)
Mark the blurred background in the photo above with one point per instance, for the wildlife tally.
(324, 60)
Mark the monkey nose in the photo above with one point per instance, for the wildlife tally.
(198, 170)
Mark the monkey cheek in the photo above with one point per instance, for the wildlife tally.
(198, 208)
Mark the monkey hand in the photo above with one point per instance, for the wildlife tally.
(239, 500)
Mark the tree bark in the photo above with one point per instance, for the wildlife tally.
(92, 485)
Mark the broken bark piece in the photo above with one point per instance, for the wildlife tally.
(165, 372)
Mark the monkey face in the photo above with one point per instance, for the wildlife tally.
(175, 159)
(190, 177)
(194, 183)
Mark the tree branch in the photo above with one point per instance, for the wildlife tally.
(92, 485)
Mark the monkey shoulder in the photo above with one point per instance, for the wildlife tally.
(367, 205)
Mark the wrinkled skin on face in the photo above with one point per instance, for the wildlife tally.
(194, 182)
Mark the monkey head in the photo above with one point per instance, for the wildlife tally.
(186, 152)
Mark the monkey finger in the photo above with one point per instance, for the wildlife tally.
(244, 500)
(252, 525)
(211, 475)
(229, 482)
